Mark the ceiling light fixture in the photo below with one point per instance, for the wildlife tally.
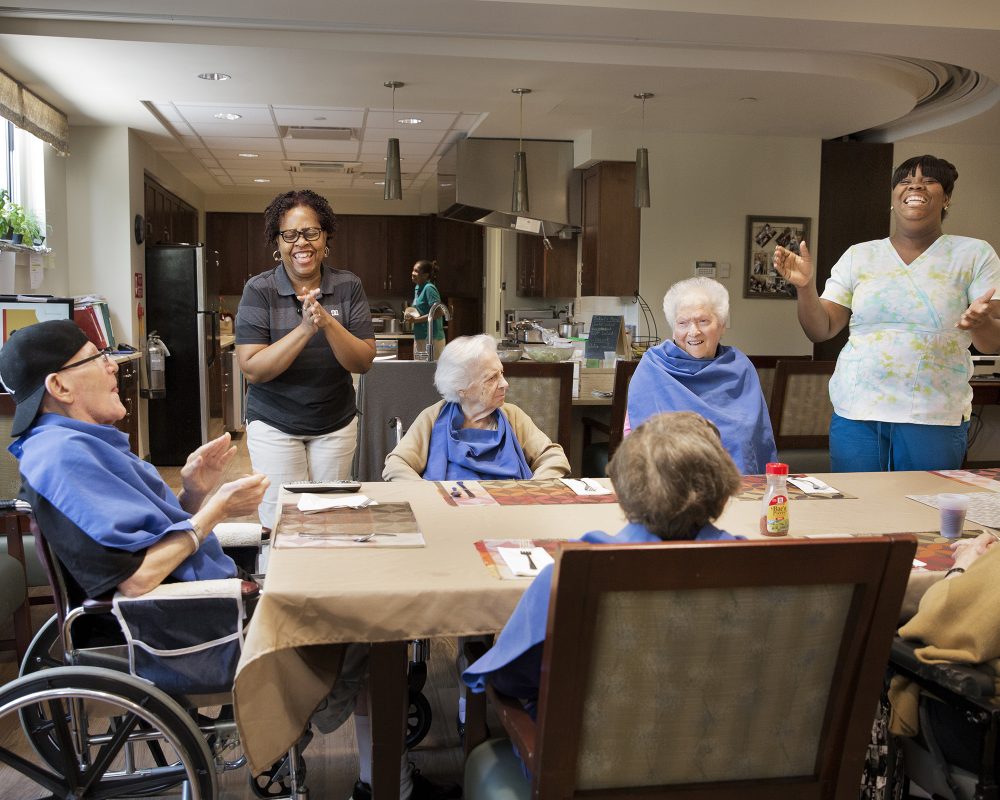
(642, 159)
(248, 155)
(519, 196)
(393, 171)
(261, 180)
(229, 116)
(215, 76)
(410, 121)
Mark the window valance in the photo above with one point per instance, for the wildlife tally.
(30, 112)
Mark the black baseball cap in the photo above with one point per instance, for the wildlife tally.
(29, 356)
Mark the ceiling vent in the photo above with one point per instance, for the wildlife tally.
(328, 167)
(319, 133)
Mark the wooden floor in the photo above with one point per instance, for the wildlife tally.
(331, 759)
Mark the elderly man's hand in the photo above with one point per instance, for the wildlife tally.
(241, 496)
(203, 470)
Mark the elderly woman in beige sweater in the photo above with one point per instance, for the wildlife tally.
(471, 434)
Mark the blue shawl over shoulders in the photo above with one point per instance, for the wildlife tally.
(724, 389)
(457, 453)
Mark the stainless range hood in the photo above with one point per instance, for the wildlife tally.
(476, 179)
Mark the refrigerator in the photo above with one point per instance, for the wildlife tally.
(183, 308)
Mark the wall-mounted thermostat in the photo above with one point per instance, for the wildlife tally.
(704, 269)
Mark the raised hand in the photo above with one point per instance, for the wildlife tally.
(796, 269)
(241, 496)
(977, 313)
(203, 469)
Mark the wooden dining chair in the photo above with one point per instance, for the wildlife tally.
(600, 453)
(766, 366)
(800, 411)
(703, 670)
(545, 393)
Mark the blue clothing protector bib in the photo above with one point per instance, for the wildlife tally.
(88, 472)
(457, 453)
(724, 389)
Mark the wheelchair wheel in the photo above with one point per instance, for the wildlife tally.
(418, 719)
(91, 721)
(45, 650)
(277, 781)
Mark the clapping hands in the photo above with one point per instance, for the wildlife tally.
(313, 313)
(203, 469)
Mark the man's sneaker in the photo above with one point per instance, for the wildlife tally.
(423, 789)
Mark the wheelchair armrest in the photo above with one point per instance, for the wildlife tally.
(962, 679)
(238, 534)
(99, 605)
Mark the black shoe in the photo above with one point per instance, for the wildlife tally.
(423, 789)
(362, 791)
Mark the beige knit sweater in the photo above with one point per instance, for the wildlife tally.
(408, 461)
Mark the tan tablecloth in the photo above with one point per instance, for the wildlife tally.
(323, 596)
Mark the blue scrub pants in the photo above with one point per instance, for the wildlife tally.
(870, 446)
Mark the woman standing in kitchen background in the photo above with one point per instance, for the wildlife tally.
(425, 295)
(302, 328)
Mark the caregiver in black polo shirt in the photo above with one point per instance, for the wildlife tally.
(302, 328)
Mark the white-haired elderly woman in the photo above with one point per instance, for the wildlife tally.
(471, 434)
(694, 372)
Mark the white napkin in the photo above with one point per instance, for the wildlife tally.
(811, 485)
(311, 503)
(518, 562)
(585, 487)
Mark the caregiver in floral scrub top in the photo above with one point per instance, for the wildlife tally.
(915, 301)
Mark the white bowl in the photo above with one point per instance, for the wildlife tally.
(548, 354)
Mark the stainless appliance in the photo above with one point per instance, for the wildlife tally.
(234, 392)
(183, 308)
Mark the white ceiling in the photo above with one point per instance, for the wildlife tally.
(782, 70)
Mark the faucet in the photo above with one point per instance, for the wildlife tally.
(431, 314)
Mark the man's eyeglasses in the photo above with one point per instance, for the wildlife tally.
(309, 234)
(105, 354)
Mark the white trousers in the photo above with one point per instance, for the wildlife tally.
(285, 457)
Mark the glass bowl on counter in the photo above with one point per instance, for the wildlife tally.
(509, 353)
(549, 354)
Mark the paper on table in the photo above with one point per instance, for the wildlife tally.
(311, 503)
(585, 487)
(811, 485)
(520, 560)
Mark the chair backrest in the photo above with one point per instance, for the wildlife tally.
(765, 366)
(388, 390)
(624, 370)
(800, 404)
(716, 670)
(545, 393)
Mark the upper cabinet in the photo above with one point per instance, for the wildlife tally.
(546, 273)
(458, 249)
(168, 218)
(610, 262)
(239, 240)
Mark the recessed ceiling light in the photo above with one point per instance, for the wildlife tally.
(379, 183)
(261, 180)
(410, 121)
(748, 99)
(229, 115)
(215, 76)
(444, 185)
(248, 155)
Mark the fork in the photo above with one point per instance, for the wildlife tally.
(526, 546)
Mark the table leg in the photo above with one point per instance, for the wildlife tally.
(388, 696)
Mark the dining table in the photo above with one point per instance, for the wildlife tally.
(318, 599)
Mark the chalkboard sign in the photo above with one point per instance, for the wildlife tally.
(607, 333)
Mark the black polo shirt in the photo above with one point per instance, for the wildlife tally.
(315, 395)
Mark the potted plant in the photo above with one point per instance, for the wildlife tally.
(6, 230)
(17, 220)
(32, 229)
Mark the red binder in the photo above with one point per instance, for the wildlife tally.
(86, 318)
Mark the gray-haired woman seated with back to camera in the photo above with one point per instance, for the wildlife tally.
(471, 434)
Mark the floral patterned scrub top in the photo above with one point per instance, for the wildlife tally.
(905, 360)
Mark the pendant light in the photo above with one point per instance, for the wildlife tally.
(519, 197)
(642, 159)
(393, 171)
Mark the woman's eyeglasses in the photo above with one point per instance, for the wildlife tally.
(309, 234)
(105, 354)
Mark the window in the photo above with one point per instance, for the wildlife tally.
(22, 171)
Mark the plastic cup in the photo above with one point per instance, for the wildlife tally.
(952, 508)
(420, 352)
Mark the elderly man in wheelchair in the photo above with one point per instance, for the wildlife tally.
(111, 523)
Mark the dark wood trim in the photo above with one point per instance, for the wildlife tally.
(770, 362)
(624, 370)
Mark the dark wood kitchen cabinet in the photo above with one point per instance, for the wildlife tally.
(381, 250)
(610, 260)
(168, 218)
(458, 249)
(546, 273)
(239, 240)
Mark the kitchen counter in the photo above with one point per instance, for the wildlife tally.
(393, 335)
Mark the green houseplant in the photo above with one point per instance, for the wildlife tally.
(17, 220)
(6, 229)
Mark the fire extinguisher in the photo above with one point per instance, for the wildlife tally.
(156, 368)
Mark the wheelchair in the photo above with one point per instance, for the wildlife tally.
(86, 727)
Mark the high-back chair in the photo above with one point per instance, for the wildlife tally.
(596, 455)
(390, 394)
(766, 366)
(86, 719)
(545, 393)
(703, 670)
(800, 411)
